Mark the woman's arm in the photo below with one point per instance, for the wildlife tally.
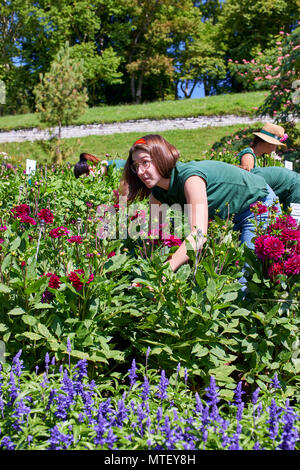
(196, 197)
(247, 161)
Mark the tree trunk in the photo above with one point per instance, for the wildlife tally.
(139, 89)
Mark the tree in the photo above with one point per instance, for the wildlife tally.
(276, 69)
(197, 58)
(60, 96)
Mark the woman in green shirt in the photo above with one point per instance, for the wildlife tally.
(284, 182)
(265, 142)
(152, 170)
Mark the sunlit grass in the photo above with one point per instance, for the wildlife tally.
(234, 103)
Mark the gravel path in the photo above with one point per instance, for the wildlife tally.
(143, 126)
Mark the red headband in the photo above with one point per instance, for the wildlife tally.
(140, 141)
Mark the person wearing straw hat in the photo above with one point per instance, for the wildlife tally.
(264, 142)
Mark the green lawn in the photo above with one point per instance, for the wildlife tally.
(235, 103)
(192, 144)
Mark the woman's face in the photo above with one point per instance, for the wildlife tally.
(145, 168)
(268, 148)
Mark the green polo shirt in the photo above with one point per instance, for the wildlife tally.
(247, 150)
(284, 182)
(225, 184)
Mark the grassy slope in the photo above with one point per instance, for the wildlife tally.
(237, 103)
(192, 143)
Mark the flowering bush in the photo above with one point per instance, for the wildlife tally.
(60, 408)
(277, 70)
(113, 297)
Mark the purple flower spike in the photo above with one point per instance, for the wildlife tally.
(163, 385)
(275, 382)
(132, 373)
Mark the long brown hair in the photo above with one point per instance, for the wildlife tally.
(164, 156)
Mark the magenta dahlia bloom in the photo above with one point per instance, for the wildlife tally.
(46, 215)
(269, 247)
(171, 240)
(292, 265)
(75, 239)
(54, 281)
(27, 219)
(78, 281)
(258, 208)
(274, 270)
(20, 211)
(58, 232)
(288, 233)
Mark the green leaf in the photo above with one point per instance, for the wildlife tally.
(5, 289)
(16, 311)
(32, 336)
(43, 330)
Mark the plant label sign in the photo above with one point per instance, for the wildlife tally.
(30, 167)
(295, 211)
(288, 165)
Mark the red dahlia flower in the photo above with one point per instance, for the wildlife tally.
(258, 208)
(75, 239)
(274, 270)
(78, 281)
(46, 215)
(58, 232)
(21, 210)
(171, 240)
(269, 247)
(292, 265)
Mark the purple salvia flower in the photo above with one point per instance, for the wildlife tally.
(17, 364)
(290, 434)
(20, 410)
(199, 406)
(238, 393)
(36, 369)
(163, 385)
(13, 390)
(275, 382)
(235, 439)
(146, 389)
(7, 443)
(58, 440)
(185, 376)
(256, 446)
(239, 413)
(69, 349)
(132, 373)
(47, 361)
(274, 413)
(100, 429)
(111, 439)
(255, 396)
(51, 398)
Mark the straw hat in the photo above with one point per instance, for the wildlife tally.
(272, 133)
